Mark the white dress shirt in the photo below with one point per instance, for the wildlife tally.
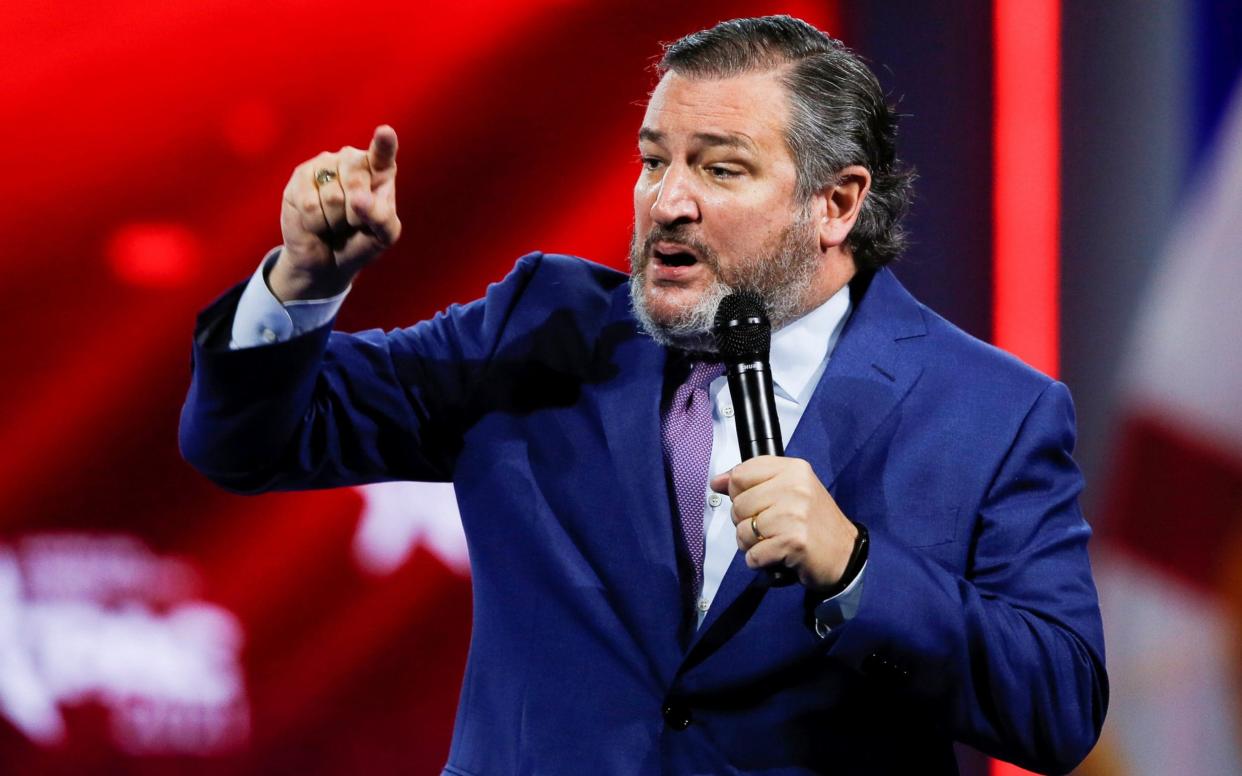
(261, 318)
(800, 353)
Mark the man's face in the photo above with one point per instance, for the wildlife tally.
(715, 206)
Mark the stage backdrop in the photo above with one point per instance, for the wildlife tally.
(151, 623)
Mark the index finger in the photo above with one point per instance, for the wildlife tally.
(750, 473)
(382, 155)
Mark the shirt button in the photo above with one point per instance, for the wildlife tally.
(704, 605)
(268, 335)
(714, 500)
(728, 411)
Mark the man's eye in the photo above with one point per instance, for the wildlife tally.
(651, 163)
(722, 173)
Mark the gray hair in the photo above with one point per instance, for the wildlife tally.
(838, 116)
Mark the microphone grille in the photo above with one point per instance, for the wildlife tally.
(742, 329)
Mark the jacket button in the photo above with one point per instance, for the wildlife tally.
(884, 670)
(676, 715)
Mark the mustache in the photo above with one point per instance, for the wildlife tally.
(679, 234)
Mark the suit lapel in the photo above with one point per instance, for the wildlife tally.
(630, 413)
(866, 378)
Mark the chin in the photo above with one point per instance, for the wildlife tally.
(677, 317)
(667, 306)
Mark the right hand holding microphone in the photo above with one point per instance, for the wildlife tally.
(339, 212)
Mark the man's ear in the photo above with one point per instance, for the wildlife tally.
(840, 203)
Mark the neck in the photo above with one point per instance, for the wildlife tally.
(836, 272)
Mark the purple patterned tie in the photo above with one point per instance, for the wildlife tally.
(686, 426)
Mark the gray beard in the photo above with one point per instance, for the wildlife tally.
(782, 279)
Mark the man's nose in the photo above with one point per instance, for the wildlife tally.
(676, 201)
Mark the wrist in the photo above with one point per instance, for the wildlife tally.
(857, 559)
(290, 283)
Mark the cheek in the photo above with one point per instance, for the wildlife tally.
(742, 226)
(642, 202)
(749, 236)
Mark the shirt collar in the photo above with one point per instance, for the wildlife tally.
(801, 348)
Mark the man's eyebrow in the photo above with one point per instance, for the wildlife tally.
(651, 135)
(730, 139)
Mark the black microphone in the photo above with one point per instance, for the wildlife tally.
(743, 336)
(743, 339)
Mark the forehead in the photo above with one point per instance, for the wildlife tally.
(753, 106)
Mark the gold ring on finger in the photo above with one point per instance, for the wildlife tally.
(324, 176)
(754, 528)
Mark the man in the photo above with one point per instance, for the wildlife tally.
(625, 619)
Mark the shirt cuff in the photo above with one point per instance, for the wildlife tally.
(261, 318)
(838, 610)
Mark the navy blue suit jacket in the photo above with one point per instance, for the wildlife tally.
(978, 620)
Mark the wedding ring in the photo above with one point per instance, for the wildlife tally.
(324, 176)
(754, 528)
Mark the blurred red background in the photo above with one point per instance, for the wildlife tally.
(150, 623)
(148, 146)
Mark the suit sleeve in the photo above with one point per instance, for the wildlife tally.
(327, 409)
(1010, 656)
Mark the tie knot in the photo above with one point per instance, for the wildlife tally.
(703, 372)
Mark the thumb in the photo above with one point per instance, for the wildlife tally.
(720, 483)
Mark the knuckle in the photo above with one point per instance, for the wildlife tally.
(790, 554)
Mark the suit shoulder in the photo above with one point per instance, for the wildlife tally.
(941, 348)
(569, 273)
(553, 282)
(551, 307)
(994, 374)
(540, 285)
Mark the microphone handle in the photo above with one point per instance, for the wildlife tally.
(754, 410)
(758, 427)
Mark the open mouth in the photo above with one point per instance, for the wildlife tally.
(674, 256)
